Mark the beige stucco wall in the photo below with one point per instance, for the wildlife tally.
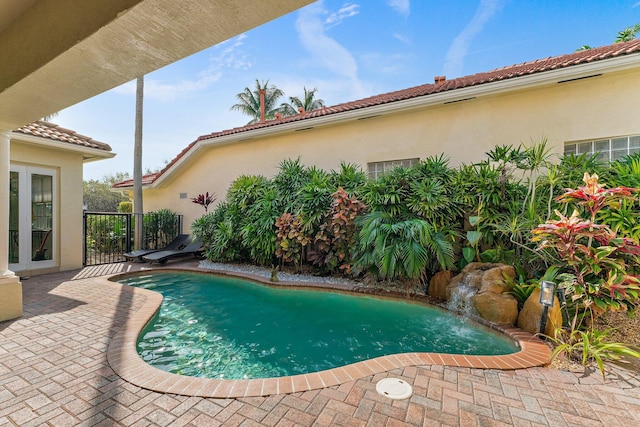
(591, 108)
(68, 167)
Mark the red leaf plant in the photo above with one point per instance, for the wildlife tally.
(204, 200)
(600, 270)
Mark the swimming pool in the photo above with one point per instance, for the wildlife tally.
(221, 327)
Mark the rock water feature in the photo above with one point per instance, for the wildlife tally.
(461, 300)
(480, 290)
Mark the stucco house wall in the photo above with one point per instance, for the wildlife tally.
(63, 153)
(583, 109)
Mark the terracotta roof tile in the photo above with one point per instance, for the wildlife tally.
(498, 74)
(54, 132)
(146, 180)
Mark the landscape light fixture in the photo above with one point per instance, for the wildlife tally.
(547, 298)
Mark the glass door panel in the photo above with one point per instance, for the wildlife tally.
(14, 218)
(41, 217)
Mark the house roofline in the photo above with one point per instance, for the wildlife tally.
(89, 154)
(539, 73)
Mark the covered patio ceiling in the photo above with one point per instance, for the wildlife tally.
(56, 53)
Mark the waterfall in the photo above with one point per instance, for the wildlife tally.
(460, 300)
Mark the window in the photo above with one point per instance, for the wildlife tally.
(609, 150)
(377, 169)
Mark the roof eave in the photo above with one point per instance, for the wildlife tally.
(89, 154)
(559, 75)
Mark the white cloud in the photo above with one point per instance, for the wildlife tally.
(346, 11)
(401, 6)
(402, 38)
(387, 64)
(635, 5)
(454, 63)
(327, 53)
(226, 55)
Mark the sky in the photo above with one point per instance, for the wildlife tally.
(347, 50)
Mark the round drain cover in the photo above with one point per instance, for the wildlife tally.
(394, 388)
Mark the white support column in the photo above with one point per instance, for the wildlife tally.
(10, 286)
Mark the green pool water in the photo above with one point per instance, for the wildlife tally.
(220, 327)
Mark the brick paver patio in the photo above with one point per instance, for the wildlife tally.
(54, 371)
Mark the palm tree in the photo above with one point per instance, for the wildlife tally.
(137, 165)
(628, 34)
(625, 35)
(308, 103)
(250, 101)
(392, 248)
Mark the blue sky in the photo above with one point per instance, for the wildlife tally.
(347, 50)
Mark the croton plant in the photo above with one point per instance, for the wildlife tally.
(600, 269)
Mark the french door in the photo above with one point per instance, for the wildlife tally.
(32, 216)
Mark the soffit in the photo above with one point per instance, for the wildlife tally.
(11, 9)
(57, 53)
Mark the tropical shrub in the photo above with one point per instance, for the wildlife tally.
(597, 269)
(336, 238)
(589, 346)
(484, 211)
(432, 194)
(125, 207)
(220, 234)
(625, 218)
(391, 248)
(254, 204)
(290, 239)
(389, 193)
(481, 191)
(258, 226)
(594, 260)
(160, 227)
(312, 199)
(349, 177)
(291, 177)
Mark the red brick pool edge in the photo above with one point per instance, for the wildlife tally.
(125, 361)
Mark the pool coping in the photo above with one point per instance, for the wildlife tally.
(127, 363)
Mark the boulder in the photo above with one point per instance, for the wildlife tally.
(531, 314)
(438, 284)
(496, 307)
(493, 280)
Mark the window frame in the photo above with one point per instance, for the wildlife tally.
(608, 149)
(377, 169)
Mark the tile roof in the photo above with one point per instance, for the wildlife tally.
(440, 85)
(146, 180)
(54, 132)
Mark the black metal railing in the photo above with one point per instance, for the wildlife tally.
(109, 235)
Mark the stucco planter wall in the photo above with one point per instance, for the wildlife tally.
(10, 298)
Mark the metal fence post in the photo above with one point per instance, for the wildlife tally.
(84, 238)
